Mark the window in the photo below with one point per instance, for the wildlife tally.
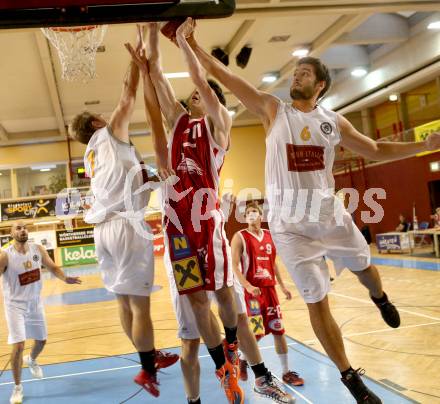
(43, 179)
(5, 184)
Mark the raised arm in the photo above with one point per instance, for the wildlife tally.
(369, 148)
(170, 106)
(120, 119)
(237, 251)
(217, 113)
(153, 113)
(55, 269)
(258, 102)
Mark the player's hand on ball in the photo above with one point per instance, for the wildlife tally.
(253, 290)
(433, 141)
(186, 29)
(73, 280)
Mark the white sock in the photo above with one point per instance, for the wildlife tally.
(284, 359)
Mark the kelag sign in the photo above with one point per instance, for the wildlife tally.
(80, 236)
(15, 210)
(80, 255)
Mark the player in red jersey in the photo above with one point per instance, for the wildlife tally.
(254, 249)
(195, 240)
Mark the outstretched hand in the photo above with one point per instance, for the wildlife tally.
(433, 141)
(138, 55)
(73, 280)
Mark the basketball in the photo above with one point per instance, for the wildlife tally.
(169, 28)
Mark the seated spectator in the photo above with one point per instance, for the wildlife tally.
(436, 218)
(403, 225)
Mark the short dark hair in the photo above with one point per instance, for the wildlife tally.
(218, 91)
(321, 72)
(81, 127)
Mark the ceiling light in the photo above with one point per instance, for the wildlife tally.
(1, 173)
(269, 78)
(393, 97)
(359, 72)
(177, 75)
(434, 25)
(44, 169)
(300, 53)
(47, 222)
(232, 112)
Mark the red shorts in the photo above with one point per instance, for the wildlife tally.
(264, 312)
(200, 260)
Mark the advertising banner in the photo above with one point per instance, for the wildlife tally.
(423, 131)
(79, 236)
(78, 255)
(388, 242)
(155, 222)
(36, 208)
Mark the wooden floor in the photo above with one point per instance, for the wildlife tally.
(408, 356)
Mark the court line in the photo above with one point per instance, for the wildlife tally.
(126, 367)
(371, 303)
(295, 391)
(72, 374)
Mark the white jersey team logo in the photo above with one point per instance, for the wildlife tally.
(189, 165)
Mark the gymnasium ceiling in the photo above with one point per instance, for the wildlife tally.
(390, 39)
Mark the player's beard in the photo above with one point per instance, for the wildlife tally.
(305, 94)
(21, 239)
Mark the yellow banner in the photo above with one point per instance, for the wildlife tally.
(423, 131)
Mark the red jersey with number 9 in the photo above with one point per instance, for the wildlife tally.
(258, 258)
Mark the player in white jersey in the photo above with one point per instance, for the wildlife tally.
(300, 140)
(20, 265)
(123, 240)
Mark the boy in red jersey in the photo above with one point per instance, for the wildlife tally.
(253, 259)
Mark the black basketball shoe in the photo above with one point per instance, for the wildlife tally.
(389, 312)
(358, 390)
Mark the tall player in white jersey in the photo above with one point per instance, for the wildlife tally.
(123, 246)
(300, 141)
(20, 265)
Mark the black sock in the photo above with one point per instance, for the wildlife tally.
(218, 356)
(346, 372)
(380, 300)
(148, 361)
(259, 370)
(194, 401)
(231, 335)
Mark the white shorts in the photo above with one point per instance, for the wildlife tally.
(125, 257)
(25, 320)
(302, 250)
(186, 321)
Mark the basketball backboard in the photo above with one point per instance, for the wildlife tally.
(61, 13)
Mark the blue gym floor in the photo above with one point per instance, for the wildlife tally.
(108, 380)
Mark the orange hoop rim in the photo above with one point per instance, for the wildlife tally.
(74, 29)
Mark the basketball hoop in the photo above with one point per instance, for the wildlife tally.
(76, 47)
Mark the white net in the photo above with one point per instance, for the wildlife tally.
(77, 47)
